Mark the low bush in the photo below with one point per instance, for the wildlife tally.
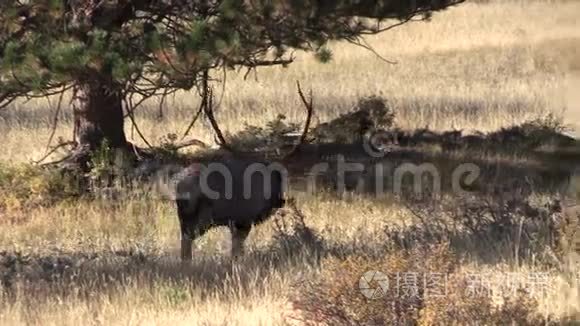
(263, 139)
(494, 228)
(370, 114)
(533, 134)
(419, 287)
(25, 186)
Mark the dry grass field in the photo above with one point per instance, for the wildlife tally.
(477, 67)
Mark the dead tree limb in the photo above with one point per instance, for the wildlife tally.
(207, 99)
(130, 109)
(134, 107)
(161, 103)
(66, 158)
(361, 42)
(55, 118)
(195, 118)
(215, 126)
(52, 151)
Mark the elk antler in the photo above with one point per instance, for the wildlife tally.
(309, 105)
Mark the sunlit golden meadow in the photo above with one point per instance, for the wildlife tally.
(477, 67)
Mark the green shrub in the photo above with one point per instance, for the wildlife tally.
(168, 149)
(370, 113)
(264, 139)
(24, 186)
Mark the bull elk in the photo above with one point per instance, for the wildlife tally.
(237, 192)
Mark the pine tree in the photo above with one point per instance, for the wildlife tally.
(108, 50)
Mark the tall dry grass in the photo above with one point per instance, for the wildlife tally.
(480, 66)
(476, 66)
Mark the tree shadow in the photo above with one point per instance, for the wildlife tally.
(37, 277)
(294, 251)
(435, 171)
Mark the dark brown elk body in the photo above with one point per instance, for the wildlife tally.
(234, 192)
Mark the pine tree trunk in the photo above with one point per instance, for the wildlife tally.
(98, 115)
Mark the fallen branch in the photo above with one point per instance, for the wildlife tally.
(136, 151)
(53, 150)
(57, 161)
(192, 142)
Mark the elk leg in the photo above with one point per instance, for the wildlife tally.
(186, 247)
(239, 234)
(187, 238)
(191, 227)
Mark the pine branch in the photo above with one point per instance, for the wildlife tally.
(234, 34)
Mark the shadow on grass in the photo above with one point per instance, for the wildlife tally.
(487, 233)
(538, 172)
(31, 278)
